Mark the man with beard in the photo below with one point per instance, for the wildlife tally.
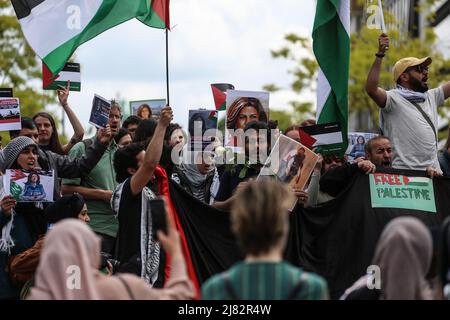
(378, 154)
(97, 187)
(408, 112)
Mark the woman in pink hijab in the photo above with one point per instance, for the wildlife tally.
(68, 269)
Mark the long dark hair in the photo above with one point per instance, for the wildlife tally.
(240, 103)
(54, 144)
(31, 175)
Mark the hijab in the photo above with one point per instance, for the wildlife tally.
(404, 253)
(68, 267)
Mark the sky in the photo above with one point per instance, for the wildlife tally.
(211, 41)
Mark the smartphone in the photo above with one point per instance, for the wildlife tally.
(158, 211)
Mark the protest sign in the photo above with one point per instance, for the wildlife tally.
(155, 106)
(70, 72)
(29, 186)
(10, 114)
(100, 112)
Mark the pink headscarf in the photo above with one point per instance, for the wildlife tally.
(68, 267)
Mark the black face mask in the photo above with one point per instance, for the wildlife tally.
(418, 85)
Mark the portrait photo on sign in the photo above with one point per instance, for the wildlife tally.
(146, 109)
(29, 186)
(357, 143)
(289, 162)
(242, 108)
(202, 126)
(10, 114)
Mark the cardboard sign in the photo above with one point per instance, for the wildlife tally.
(398, 191)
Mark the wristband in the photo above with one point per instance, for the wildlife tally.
(380, 55)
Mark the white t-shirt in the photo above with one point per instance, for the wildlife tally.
(412, 138)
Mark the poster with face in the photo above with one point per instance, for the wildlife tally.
(242, 108)
(202, 127)
(290, 162)
(146, 109)
(357, 143)
(29, 186)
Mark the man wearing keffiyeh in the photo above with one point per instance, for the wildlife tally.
(408, 113)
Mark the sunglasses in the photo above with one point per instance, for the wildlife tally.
(419, 68)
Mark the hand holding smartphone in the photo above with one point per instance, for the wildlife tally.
(158, 211)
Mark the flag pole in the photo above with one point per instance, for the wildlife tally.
(167, 65)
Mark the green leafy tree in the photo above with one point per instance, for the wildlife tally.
(20, 68)
(364, 45)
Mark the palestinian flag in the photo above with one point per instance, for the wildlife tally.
(331, 45)
(70, 72)
(219, 91)
(55, 28)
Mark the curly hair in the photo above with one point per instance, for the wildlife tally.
(239, 104)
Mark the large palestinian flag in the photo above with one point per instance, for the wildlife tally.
(55, 28)
(331, 45)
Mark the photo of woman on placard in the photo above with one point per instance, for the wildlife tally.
(34, 190)
(244, 110)
(358, 148)
(144, 111)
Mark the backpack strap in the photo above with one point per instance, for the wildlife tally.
(427, 118)
(127, 287)
(229, 288)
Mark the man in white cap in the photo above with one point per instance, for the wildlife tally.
(409, 112)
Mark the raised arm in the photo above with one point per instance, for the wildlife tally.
(376, 93)
(153, 153)
(63, 95)
(446, 88)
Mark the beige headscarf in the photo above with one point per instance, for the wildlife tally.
(68, 265)
(404, 253)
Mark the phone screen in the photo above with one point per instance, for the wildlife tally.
(158, 210)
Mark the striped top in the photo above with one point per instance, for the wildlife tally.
(265, 281)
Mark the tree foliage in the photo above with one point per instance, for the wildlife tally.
(20, 68)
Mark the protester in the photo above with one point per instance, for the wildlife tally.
(293, 133)
(28, 129)
(145, 130)
(72, 243)
(131, 123)
(175, 135)
(197, 174)
(23, 266)
(408, 112)
(48, 135)
(97, 187)
(240, 174)
(22, 223)
(123, 137)
(138, 252)
(403, 255)
(444, 261)
(260, 223)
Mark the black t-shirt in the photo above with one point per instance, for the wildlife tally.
(129, 224)
(129, 240)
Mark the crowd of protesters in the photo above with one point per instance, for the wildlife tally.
(101, 219)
